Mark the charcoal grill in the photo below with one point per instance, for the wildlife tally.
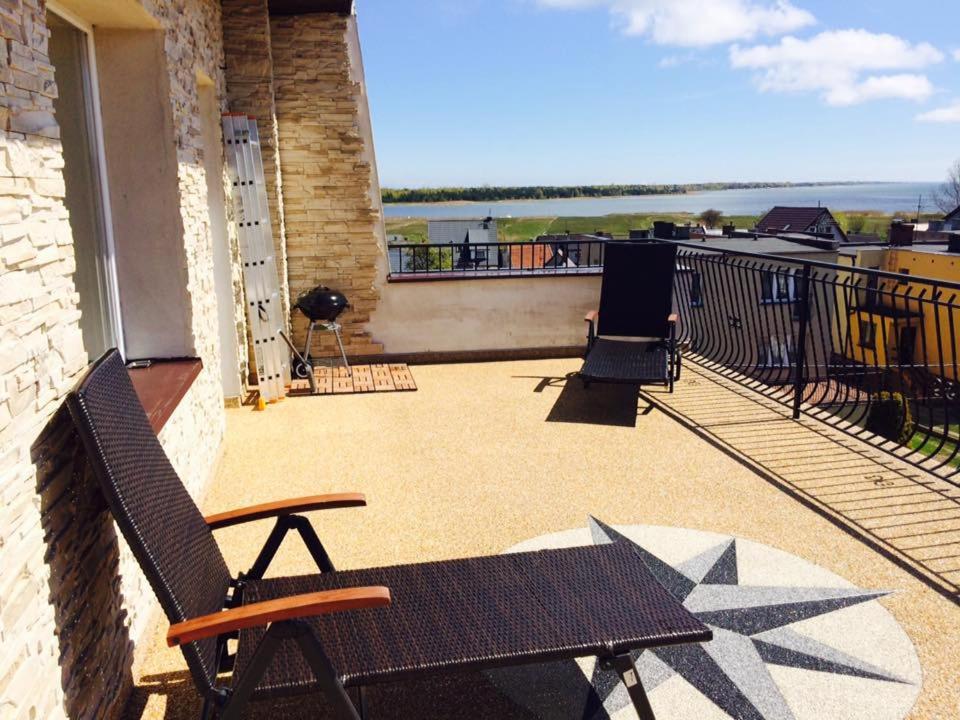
(321, 306)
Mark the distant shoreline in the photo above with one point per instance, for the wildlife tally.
(501, 194)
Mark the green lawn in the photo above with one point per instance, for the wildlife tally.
(930, 446)
(527, 228)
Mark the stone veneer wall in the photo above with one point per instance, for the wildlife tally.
(72, 601)
(331, 217)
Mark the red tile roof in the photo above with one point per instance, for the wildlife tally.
(794, 219)
(529, 256)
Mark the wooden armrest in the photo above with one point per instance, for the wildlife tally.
(284, 507)
(672, 318)
(591, 316)
(269, 611)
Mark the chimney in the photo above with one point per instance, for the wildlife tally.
(728, 230)
(663, 230)
(901, 234)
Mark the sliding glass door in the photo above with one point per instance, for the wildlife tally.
(77, 112)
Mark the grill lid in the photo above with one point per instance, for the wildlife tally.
(322, 303)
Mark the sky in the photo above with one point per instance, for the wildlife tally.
(563, 92)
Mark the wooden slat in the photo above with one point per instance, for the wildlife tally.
(382, 379)
(362, 379)
(342, 381)
(358, 379)
(402, 377)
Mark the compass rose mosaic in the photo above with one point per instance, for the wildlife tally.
(792, 640)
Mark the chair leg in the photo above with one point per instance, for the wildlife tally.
(624, 666)
(206, 712)
(300, 632)
(343, 708)
(238, 699)
(361, 703)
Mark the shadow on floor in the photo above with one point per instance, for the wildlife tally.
(905, 514)
(600, 404)
(446, 696)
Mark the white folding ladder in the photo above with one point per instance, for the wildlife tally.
(260, 279)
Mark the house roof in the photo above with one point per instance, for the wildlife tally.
(303, 7)
(953, 214)
(762, 245)
(796, 219)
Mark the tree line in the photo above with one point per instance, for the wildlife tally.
(544, 192)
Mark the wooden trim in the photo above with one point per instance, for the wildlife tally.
(591, 316)
(672, 318)
(162, 386)
(285, 507)
(270, 611)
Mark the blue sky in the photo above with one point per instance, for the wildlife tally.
(498, 92)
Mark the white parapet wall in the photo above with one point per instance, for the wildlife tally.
(476, 315)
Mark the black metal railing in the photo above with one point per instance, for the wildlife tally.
(873, 352)
(453, 260)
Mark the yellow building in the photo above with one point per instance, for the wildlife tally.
(902, 324)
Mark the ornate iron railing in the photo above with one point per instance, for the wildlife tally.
(873, 352)
(524, 259)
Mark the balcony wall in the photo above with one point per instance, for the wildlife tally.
(465, 316)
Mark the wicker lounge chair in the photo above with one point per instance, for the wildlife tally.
(632, 339)
(334, 630)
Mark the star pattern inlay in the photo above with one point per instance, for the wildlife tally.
(751, 627)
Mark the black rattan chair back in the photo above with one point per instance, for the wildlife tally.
(637, 292)
(156, 514)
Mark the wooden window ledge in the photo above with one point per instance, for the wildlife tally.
(162, 386)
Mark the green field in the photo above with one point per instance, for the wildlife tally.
(521, 229)
(930, 446)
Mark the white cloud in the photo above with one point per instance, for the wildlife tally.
(956, 55)
(845, 66)
(948, 114)
(698, 23)
(674, 60)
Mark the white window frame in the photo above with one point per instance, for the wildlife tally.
(114, 312)
(781, 279)
(777, 352)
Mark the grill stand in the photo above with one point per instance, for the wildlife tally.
(304, 368)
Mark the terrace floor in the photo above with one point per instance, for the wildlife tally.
(486, 456)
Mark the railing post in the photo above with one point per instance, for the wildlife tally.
(799, 368)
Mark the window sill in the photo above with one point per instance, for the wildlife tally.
(162, 386)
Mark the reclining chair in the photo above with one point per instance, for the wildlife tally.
(632, 339)
(334, 630)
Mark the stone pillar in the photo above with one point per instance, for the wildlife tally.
(331, 215)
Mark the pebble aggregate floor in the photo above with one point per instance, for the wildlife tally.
(484, 456)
